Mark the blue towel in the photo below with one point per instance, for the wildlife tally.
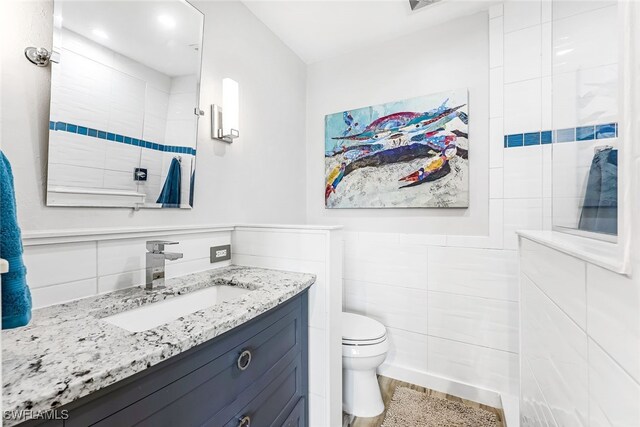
(170, 195)
(600, 208)
(16, 298)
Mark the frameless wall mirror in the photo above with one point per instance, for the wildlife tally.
(125, 83)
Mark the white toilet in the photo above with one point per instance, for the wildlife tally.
(364, 348)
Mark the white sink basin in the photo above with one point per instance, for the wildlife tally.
(158, 313)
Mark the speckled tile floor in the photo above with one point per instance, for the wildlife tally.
(388, 387)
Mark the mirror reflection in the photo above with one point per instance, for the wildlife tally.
(124, 97)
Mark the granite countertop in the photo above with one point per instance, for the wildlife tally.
(67, 351)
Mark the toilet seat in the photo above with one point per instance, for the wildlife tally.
(362, 336)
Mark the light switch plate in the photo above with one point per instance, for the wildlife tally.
(220, 253)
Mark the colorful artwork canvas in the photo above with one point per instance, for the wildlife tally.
(406, 154)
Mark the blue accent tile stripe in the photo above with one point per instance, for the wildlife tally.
(117, 138)
(577, 134)
(585, 133)
(532, 138)
(515, 140)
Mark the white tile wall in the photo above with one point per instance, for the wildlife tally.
(103, 266)
(474, 272)
(522, 106)
(586, 368)
(480, 366)
(521, 14)
(522, 54)
(481, 321)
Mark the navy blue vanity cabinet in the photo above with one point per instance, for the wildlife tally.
(254, 375)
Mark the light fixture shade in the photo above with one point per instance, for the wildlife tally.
(230, 107)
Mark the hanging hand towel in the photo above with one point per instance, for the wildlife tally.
(170, 195)
(16, 298)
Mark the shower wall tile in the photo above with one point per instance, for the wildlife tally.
(523, 104)
(559, 276)
(521, 14)
(522, 54)
(613, 394)
(555, 348)
(613, 316)
(577, 46)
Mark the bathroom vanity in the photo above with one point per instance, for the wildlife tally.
(239, 362)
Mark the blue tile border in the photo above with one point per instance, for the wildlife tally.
(117, 138)
(577, 134)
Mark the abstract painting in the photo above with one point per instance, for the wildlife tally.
(407, 154)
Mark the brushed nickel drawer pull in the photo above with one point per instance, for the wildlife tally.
(244, 360)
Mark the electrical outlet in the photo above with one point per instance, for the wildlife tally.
(220, 253)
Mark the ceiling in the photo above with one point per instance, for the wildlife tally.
(134, 29)
(316, 30)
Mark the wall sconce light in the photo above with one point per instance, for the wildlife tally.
(225, 126)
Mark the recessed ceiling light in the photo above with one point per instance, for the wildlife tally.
(167, 21)
(100, 33)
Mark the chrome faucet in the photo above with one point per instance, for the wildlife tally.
(155, 262)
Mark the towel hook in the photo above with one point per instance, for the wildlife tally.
(38, 56)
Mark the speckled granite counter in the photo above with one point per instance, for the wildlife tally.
(67, 351)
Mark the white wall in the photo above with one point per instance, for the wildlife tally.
(452, 56)
(264, 162)
(444, 282)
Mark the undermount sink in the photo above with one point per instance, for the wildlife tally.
(155, 314)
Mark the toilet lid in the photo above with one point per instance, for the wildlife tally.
(361, 328)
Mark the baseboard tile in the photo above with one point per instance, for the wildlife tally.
(444, 385)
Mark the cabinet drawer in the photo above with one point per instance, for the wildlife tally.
(297, 417)
(274, 404)
(215, 386)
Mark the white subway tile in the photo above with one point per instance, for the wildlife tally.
(483, 367)
(477, 272)
(496, 10)
(521, 14)
(523, 172)
(480, 321)
(496, 43)
(317, 361)
(396, 307)
(407, 349)
(522, 104)
(566, 8)
(309, 246)
(126, 105)
(534, 410)
(561, 277)
(57, 294)
(613, 316)
(496, 142)
(49, 264)
(520, 214)
(317, 411)
(496, 91)
(496, 183)
(522, 54)
(556, 349)
(114, 282)
(585, 97)
(577, 46)
(614, 396)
